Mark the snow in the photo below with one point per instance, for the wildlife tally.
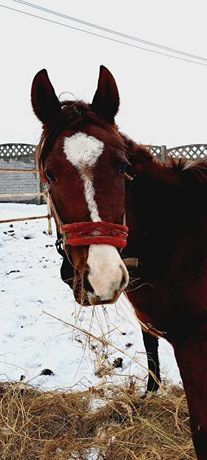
(93, 454)
(42, 327)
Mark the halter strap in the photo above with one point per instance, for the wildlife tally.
(116, 235)
(102, 232)
(87, 233)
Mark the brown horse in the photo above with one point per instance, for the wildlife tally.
(99, 181)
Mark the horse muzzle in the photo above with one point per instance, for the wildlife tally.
(99, 272)
(107, 274)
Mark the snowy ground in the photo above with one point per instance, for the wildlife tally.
(37, 311)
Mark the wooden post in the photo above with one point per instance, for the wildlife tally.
(12, 195)
(163, 152)
(21, 219)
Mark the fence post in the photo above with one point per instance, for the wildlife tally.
(163, 152)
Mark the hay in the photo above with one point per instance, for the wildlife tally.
(112, 422)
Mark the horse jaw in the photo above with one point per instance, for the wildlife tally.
(107, 275)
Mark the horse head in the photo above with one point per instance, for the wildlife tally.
(82, 158)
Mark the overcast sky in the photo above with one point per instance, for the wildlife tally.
(163, 100)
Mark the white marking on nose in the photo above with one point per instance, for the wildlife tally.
(89, 196)
(83, 152)
(106, 271)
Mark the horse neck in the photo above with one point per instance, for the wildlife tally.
(150, 238)
(159, 235)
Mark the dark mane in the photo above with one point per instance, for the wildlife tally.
(196, 169)
(73, 114)
(136, 151)
(177, 164)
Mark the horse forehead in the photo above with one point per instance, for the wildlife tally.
(83, 150)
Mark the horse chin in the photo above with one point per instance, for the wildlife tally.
(84, 294)
(81, 298)
(95, 300)
(87, 299)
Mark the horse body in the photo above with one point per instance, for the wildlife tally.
(169, 237)
(97, 175)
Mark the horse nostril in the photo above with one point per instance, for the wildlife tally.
(123, 283)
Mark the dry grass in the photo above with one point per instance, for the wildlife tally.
(117, 422)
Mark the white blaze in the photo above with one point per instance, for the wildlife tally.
(83, 152)
(105, 264)
(89, 196)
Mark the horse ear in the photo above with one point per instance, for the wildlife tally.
(106, 99)
(44, 100)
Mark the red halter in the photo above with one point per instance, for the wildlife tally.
(102, 232)
(87, 233)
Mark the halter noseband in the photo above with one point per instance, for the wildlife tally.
(102, 232)
(87, 233)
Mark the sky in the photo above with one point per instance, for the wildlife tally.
(163, 100)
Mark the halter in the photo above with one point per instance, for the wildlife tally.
(87, 233)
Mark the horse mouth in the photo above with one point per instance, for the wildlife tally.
(86, 295)
(95, 300)
(86, 298)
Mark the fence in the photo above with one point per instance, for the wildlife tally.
(15, 161)
(191, 151)
(21, 175)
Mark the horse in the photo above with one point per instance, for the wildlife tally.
(112, 201)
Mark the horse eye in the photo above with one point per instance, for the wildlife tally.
(49, 175)
(127, 170)
(123, 167)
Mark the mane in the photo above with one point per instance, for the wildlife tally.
(192, 171)
(73, 114)
(136, 151)
(177, 164)
(196, 169)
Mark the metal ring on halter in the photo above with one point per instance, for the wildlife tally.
(59, 246)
